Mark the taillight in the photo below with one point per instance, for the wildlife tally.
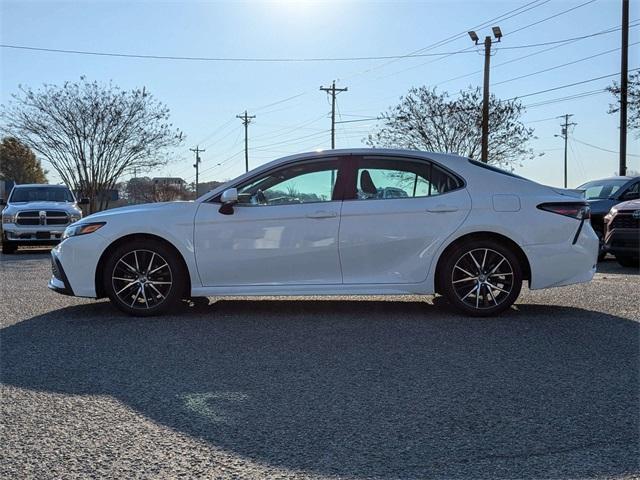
(578, 210)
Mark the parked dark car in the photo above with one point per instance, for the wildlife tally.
(603, 194)
(622, 233)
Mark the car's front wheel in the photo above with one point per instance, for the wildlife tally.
(480, 278)
(144, 278)
(8, 247)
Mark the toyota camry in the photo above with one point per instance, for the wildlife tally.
(339, 222)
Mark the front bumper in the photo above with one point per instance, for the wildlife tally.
(59, 282)
(623, 241)
(32, 235)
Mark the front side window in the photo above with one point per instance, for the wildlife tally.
(41, 194)
(387, 178)
(308, 182)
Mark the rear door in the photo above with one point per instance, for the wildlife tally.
(400, 211)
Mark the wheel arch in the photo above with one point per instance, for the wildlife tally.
(483, 235)
(100, 292)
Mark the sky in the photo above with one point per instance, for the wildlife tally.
(292, 114)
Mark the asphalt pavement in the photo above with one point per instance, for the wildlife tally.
(353, 388)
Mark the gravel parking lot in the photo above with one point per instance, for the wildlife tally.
(319, 388)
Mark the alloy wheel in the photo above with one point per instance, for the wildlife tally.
(482, 278)
(142, 279)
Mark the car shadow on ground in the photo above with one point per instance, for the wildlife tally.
(393, 389)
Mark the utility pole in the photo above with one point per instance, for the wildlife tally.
(624, 86)
(197, 151)
(333, 91)
(565, 134)
(246, 120)
(488, 41)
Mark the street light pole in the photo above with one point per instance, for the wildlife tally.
(488, 41)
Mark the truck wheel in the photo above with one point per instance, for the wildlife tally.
(8, 247)
(626, 261)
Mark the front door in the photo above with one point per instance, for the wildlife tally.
(284, 230)
(402, 212)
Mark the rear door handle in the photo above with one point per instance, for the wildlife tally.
(442, 209)
(322, 214)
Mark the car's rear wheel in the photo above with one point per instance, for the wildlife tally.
(628, 261)
(144, 278)
(480, 278)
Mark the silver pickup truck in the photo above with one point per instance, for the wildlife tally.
(37, 214)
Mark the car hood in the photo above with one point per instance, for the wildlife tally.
(629, 205)
(21, 206)
(141, 209)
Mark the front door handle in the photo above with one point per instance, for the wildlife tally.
(442, 209)
(322, 214)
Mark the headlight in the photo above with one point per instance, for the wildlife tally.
(81, 229)
(8, 218)
(612, 213)
(74, 217)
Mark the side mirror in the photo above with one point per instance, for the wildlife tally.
(83, 201)
(2, 202)
(228, 198)
(631, 196)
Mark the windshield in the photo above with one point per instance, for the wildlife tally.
(41, 194)
(601, 188)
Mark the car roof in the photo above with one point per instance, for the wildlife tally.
(623, 177)
(38, 185)
(445, 159)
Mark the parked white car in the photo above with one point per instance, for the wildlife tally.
(317, 224)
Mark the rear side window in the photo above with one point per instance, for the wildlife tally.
(496, 169)
(390, 178)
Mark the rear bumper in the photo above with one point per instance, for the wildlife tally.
(555, 265)
(623, 241)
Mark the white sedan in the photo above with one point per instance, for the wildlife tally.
(339, 222)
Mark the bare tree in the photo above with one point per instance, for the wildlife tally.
(633, 99)
(92, 133)
(429, 120)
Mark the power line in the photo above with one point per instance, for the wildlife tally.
(556, 44)
(601, 148)
(567, 85)
(560, 66)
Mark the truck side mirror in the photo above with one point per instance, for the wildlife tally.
(2, 202)
(83, 201)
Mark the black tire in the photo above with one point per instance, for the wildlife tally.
(8, 248)
(628, 261)
(494, 273)
(156, 275)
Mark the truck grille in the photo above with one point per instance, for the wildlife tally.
(42, 217)
(622, 220)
